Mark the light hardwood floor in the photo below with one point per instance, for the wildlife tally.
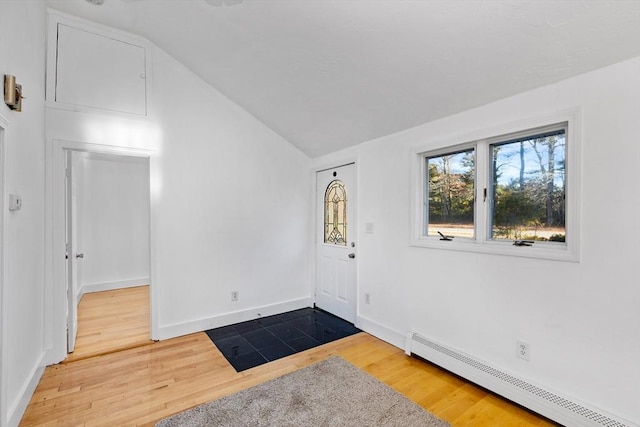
(139, 386)
(111, 321)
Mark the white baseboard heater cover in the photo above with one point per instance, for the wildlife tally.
(550, 404)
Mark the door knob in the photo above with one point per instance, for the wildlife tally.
(352, 256)
(79, 255)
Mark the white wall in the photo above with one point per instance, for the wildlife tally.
(582, 320)
(113, 214)
(22, 53)
(230, 203)
(233, 210)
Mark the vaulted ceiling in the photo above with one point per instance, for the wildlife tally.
(328, 74)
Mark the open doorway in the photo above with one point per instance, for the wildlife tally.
(107, 252)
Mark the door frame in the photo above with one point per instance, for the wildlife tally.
(56, 301)
(344, 161)
(4, 412)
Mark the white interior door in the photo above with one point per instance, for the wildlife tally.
(71, 255)
(336, 249)
(3, 300)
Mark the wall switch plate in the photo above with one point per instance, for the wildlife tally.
(15, 202)
(367, 298)
(234, 295)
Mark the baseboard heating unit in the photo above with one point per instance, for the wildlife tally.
(551, 404)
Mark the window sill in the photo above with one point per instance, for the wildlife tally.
(550, 251)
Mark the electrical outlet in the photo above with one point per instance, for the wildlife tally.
(523, 350)
(234, 295)
(367, 298)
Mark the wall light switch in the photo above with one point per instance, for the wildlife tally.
(15, 202)
(368, 227)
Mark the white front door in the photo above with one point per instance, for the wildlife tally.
(336, 249)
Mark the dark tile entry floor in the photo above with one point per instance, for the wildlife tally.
(252, 343)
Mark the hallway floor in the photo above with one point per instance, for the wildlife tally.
(112, 321)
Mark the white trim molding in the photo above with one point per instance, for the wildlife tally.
(17, 409)
(206, 323)
(378, 330)
(88, 288)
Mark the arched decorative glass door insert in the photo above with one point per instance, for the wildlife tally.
(335, 213)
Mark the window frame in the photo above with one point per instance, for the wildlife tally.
(460, 148)
(481, 140)
(508, 139)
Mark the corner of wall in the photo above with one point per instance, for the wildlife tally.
(18, 407)
(378, 330)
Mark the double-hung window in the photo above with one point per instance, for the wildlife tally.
(511, 194)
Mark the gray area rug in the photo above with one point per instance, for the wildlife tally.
(330, 393)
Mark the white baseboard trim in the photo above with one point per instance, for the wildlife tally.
(109, 286)
(380, 331)
(179, 329)
(17, 408)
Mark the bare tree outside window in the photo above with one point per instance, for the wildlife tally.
(528, 188)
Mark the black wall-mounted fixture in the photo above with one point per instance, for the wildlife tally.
(445, 238)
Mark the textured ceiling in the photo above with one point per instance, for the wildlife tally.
(329, 74)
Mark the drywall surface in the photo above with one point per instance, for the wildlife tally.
(23, 21)
(229, 201)
(233, 205)
(114, 210)
(582, 320)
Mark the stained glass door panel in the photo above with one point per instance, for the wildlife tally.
(335, 213)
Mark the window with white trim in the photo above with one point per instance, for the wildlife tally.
(450, 193)
(527, 184)
(510, 194)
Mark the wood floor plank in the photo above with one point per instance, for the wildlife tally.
(112, 320)
(141, 385)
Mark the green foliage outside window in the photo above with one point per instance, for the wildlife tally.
(451, 194)
(525, 194)
(528, 182)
